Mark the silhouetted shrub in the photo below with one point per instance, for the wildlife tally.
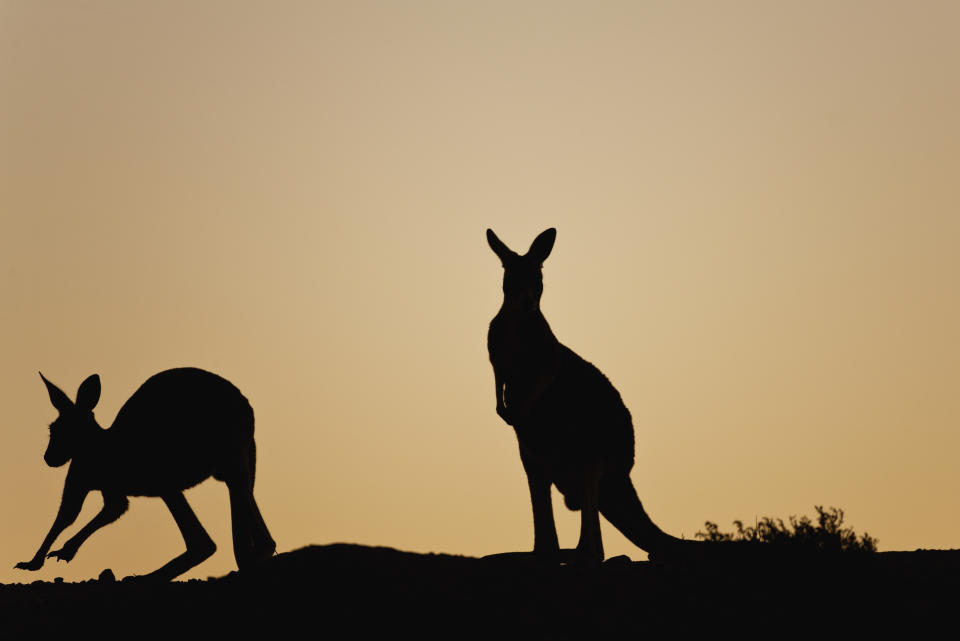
(825, 535)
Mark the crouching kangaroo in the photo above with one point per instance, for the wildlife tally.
(181, 427)
(573, 429)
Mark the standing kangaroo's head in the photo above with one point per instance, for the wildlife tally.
(523, 275)
(70, 430)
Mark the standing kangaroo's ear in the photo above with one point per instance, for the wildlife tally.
(89, 393)
(501, 250)
(542, 245)
(60, 401)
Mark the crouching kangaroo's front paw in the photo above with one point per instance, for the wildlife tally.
(505, 414)
(66, 553)
(32, 565)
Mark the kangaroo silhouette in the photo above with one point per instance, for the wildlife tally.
(572, 426)
(179, 428)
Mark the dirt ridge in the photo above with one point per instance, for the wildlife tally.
(379, 590)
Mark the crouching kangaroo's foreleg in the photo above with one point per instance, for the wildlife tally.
(114, 505)
(70, 505)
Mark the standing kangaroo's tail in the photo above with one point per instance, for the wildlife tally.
(620, 505)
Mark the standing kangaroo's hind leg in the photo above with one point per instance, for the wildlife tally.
(590, 546)
(545, 541)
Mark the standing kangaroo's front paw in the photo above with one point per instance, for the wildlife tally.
(32, 565)
(505, 414)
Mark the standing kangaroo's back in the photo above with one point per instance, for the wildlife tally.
(583, 401)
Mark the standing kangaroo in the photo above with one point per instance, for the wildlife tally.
(573, 429)
(181, 427)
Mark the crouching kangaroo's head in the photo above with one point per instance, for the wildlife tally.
(71, 430)
(523, 275)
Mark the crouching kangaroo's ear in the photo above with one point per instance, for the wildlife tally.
(61, 402)
(88, 395)
(501, 250)
(542, 245)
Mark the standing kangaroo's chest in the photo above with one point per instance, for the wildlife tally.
(574, 410)
(526, 359)
(522, 348)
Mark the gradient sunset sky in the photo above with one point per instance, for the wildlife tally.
(758, 217)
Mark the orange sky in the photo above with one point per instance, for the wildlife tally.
(757, 215)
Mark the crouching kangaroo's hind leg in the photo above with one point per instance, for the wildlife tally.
(252, 542)
(200, 546)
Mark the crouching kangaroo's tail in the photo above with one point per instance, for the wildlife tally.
(620, 505)
(252, 542)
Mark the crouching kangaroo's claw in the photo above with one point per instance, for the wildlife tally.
(32, 565)
(63, 554)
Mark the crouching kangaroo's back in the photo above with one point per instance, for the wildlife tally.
(180, 427)
(573, 429)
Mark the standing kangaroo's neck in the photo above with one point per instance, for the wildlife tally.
(515, 326)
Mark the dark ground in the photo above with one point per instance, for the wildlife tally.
(352, 591)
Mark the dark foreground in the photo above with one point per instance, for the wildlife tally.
(351, 591)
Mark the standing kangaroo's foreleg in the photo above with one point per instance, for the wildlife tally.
(70, 505)
(522, 405)
(501, 404)
(114, 505)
